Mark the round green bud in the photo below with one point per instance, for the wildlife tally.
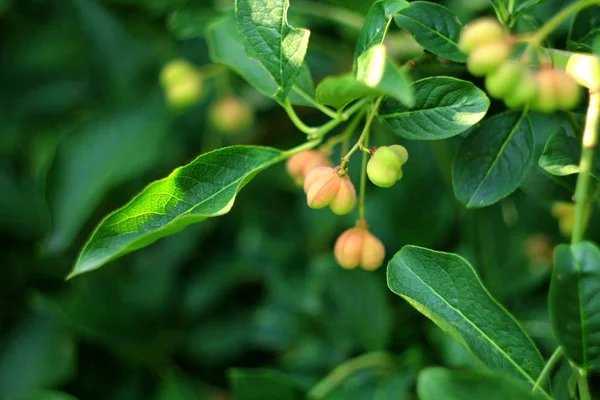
(523, 93)
(182, 82)
(479, 33)
(488, 57)
(504, 79)
(401, 152)
(384, 167)
(176, 71)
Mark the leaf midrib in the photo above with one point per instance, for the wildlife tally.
(513, 362)
(498, 156)
(173, 220)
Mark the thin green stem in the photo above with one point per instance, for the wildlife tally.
(363, 180)
(582, 383)
(553, 23)
(300, 148)
(342, 16)
(546, 371)
(346, 133)
(381, 361)
(590, 138)
(363, 135)
(330, 113)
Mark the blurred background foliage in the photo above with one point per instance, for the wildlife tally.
(252, 303)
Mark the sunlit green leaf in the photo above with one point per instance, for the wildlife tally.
(444, 107)
(205, 188)
(575, 302)
(270, 40)
(446, 289)
(494, 159)
(434, 27)
(226, 47)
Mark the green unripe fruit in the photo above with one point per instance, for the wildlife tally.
(182, 82)
(523, 93)
(585, 68)
(231, 115)
(557, 90)
(479, 33)
(384, 167)
(504, 79)
(545, 101)
(488, 57)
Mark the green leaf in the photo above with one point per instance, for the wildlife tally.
(263, 384)
(190, 22)
(444, 107)
(46, 395)
(226, 47)
(446, 289)
(338, 91)
(574, 302)
(270, 40)
(377, 71)
(377, 23)
(562, 154)
(434, 27)
(205, 188)
(35, 354)
(440, 383)
(493, 161)
(584, 28)
(518, 6)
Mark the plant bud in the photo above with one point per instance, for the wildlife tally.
(299, 165)
(357, 246)
(488, 57)
(324, 187)
(231, 115)
(182, 83)
(504, 79)
(523, 93)
(385, 166)
(546, 99)
(568, 92)
(479, 33)
(585, 68)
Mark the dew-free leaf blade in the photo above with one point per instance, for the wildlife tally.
(205, 188)
(260, 383)
(444, 107)
(574, 302)
(375, 70)
(434, 27)
(226, 47)
(562, 153)
(376, 24)
(446, 289)
(439, 383)
(338, 91)
(270, 40)
(493, 161)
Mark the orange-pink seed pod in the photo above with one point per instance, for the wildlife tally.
(324, 187)
(299, 165)
(357, 246)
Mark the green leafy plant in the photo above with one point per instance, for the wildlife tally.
(485, 130)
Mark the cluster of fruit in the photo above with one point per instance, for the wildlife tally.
(183, 84)
(490, 51)
(325, 186)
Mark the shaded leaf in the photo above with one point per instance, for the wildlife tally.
(226, 47)
(562, 154)
(376, 24)
(263, 384)
(376, 71)
(574, 302)
(270, 40)
(205, 188)
(434, 27)
(46, 395)
(444, 107)
(584, 28)
(445, 288)
(190, 22)
(440, 383)
(493, 161)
